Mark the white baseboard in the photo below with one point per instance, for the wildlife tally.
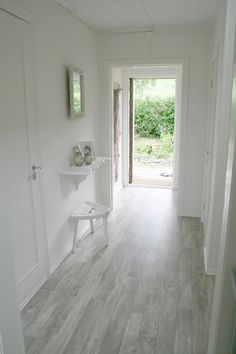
(60, 260)
(84, 231)
(52, 270)
(208, 270)
(32, 293)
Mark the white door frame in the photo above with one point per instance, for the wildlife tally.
(209, 145)
(17, 12)
(182, 109)
(159, 72)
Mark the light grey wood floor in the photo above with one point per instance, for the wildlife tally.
(146, 293)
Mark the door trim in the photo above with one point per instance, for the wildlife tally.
(107, 111)
(131, 128)
(161, 72)
(213, 88)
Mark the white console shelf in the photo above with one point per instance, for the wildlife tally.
(83, 171)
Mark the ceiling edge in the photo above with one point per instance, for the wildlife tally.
(156, 28)
(73, 11)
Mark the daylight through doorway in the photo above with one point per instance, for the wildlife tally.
(152, 120)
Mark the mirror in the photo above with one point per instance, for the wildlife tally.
(76, 83)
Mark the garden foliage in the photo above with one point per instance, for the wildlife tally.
(156, 148)
(154, 117)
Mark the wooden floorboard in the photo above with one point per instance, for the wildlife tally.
(145, 293)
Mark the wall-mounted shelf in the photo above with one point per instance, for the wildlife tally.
(82, 172)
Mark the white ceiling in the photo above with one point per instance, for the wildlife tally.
(128, 15)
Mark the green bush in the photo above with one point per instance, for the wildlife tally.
(143, 149)
(162, 148)
(154, 117)
(166, 146)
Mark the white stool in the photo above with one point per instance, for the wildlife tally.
(90, 211)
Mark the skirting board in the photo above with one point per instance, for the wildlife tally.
(208, 270)
(32, 293)
(43, 280)
(52, 270)
(61, 259)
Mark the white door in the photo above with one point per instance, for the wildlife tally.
(222, 334)
(209, 146)
(18, 134)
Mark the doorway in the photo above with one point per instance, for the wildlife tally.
(121, 73)
(151, 131)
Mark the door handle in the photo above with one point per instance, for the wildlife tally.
(208, 152)
(35, 169)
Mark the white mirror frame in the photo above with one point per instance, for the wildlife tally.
(73, 70)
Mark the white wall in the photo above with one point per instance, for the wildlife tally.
(61, 40)
(10, 326)
(213, 230)
(191, 43)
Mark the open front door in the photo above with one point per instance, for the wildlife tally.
(131, 128)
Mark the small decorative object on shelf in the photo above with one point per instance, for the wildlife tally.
(83, 152)
(88, 150)
(78, 157)
(88, 156)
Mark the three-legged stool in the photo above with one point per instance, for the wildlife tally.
(90, 211)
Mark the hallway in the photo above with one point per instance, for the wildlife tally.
(145, 293)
